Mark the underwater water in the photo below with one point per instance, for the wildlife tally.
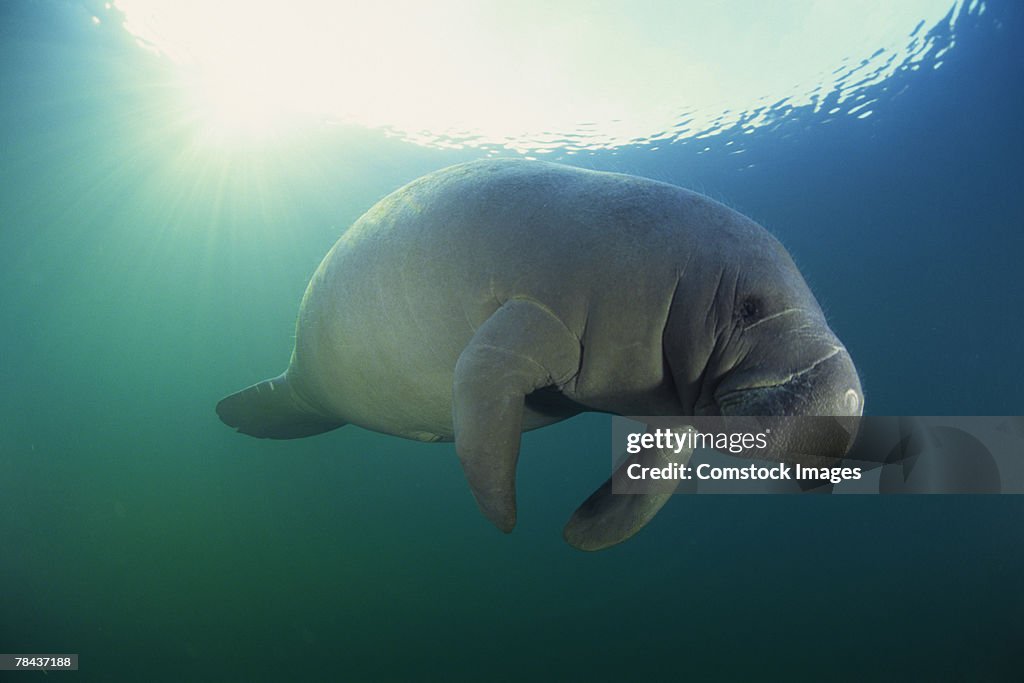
(146, 271)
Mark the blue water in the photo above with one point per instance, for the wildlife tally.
(142, 278)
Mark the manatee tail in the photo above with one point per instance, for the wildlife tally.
(272, 410)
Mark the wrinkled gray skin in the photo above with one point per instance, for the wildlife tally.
(499, 296)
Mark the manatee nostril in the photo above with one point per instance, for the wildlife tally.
(851, 402)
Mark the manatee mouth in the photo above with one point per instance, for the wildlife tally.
(813, 414)
(827, 387)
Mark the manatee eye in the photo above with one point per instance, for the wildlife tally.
(750, 310)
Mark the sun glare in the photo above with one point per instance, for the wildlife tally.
(528, 74)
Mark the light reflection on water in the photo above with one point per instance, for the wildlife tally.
(593, 80)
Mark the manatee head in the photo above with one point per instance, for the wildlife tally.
(766, 348)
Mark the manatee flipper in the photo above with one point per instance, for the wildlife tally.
(607, 518)
(520, 348)
(272, 410)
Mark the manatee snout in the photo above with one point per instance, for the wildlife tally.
(813, 415)
(828, 387)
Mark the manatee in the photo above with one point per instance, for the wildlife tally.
(499, 296)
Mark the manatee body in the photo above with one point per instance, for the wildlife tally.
(499, 296)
